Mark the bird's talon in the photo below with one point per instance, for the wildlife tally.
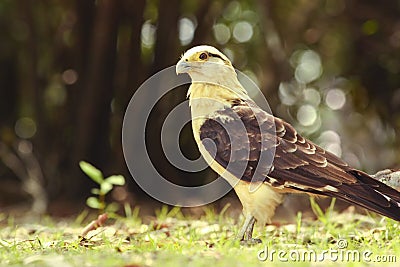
(250, 242)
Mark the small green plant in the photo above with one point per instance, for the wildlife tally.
(105, 186)
(324, 217)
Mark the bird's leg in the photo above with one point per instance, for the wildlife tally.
(246, 223)
(246, 232)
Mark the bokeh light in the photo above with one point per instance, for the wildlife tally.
(242, 31)
(55, 94)
(229, 53)
(25, 127)
(335, 99)
(370, 27)
(186, 30)
(69, 76)
(232, 11)
(306, 115)
(25, 147)
(335, 149)
(309, 67)
(148, 34)
(330, 141)
(287, 93)
(222, 33)
(312, 96)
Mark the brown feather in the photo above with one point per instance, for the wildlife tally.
(248, 133)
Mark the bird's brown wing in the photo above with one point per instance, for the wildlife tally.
(242, 135)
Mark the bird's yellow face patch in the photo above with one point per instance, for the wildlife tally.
(204, 56)
(196, 57)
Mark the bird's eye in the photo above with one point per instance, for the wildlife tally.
(203, 56)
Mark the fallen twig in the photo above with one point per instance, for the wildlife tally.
(93, 225)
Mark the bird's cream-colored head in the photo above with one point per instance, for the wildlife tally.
(206, 65)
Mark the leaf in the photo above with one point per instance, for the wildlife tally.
(105, 187)
(112, 207)
(94, 203)
(91, 171)
(95, 191)
(116, 180)
(317, 210)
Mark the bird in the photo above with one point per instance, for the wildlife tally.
(262, 156)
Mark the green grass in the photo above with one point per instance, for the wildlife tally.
(172, 239)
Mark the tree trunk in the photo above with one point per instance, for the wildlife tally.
(94, 106)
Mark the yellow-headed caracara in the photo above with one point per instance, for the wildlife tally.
(233, 133)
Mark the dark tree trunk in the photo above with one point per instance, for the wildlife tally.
(94, 106)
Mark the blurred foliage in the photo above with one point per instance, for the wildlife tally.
(69, 68)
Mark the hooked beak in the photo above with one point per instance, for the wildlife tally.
(183, 67)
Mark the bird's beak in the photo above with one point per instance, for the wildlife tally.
(183, 67)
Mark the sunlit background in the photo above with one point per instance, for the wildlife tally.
(69, 69)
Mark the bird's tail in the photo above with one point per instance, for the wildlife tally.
(372, 195)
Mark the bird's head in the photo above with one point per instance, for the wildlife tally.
(203, 61)
(206, 64)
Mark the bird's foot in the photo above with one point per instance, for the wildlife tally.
(250, 242)
(246, 233)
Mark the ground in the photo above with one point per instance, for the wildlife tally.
(173, 239)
